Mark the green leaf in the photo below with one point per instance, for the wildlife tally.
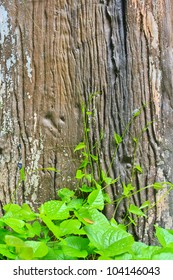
(136, 210)
(75, 246)
(51, 226)
(70, 227)
(158, 186)
(127, 189)
(79, 174)
(13, 241)
(29, 232)
(80, 146)
(96, 199)
(86, 188)
(164, 236)
(106, 198)
(75, 204)
(88, 177)
(118, 138)
(111, 241)
(163, 254)
(125, 256)
(65, 194)
(25, 253)
(142, 251)
(4, 251)
(15, 224)
(147, 203)
(55, 210)
(136, 112)
(138, 168)
(106, 179)
(12, 209)
(93, 215)
(39, 249)
(36, 228)
(22, 213)
(22, 174)
(135, 140)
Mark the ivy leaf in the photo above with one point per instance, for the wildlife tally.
(70, 226)
(80, 146)
(118, 138)
(65, 194)
(136, 112)
(4, 251)
(51, 226)
(39, 249)
(79, 174)
(138, 168)
(127, 189)
(164, 236)
(75, 246)
(96, 199)
(136, 210)
(158, 186)
(22, 174)
(145, 204)
(15, 224)
(86, 188)
(55, 210)
(106, 179)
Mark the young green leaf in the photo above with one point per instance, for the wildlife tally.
(86, 188)
(147, 203)
(164, 236)
(158, 186)
(80, 146)
(71, 226)
(118, 138)
(136, 112)
(15, 224)
(96, 199)
(75, 204)
(22, 174)
(75, 246)
(51, 226)
(39, 249)
(5, 252)
(127, 189)
(136, 210)
(55, 210)
(65, 194)
(138, 168)
(79, 174)
(106, 179)
(112, 241)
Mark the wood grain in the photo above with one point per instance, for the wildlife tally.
(55, 54)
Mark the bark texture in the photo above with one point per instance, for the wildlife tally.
(55, 53)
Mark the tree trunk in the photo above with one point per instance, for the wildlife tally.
(55, 54)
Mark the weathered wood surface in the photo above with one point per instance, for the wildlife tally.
(55, 53)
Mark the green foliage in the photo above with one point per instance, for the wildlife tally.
(74, 226)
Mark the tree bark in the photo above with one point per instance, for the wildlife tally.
(56, 53)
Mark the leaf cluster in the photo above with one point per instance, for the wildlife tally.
(72, 228)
